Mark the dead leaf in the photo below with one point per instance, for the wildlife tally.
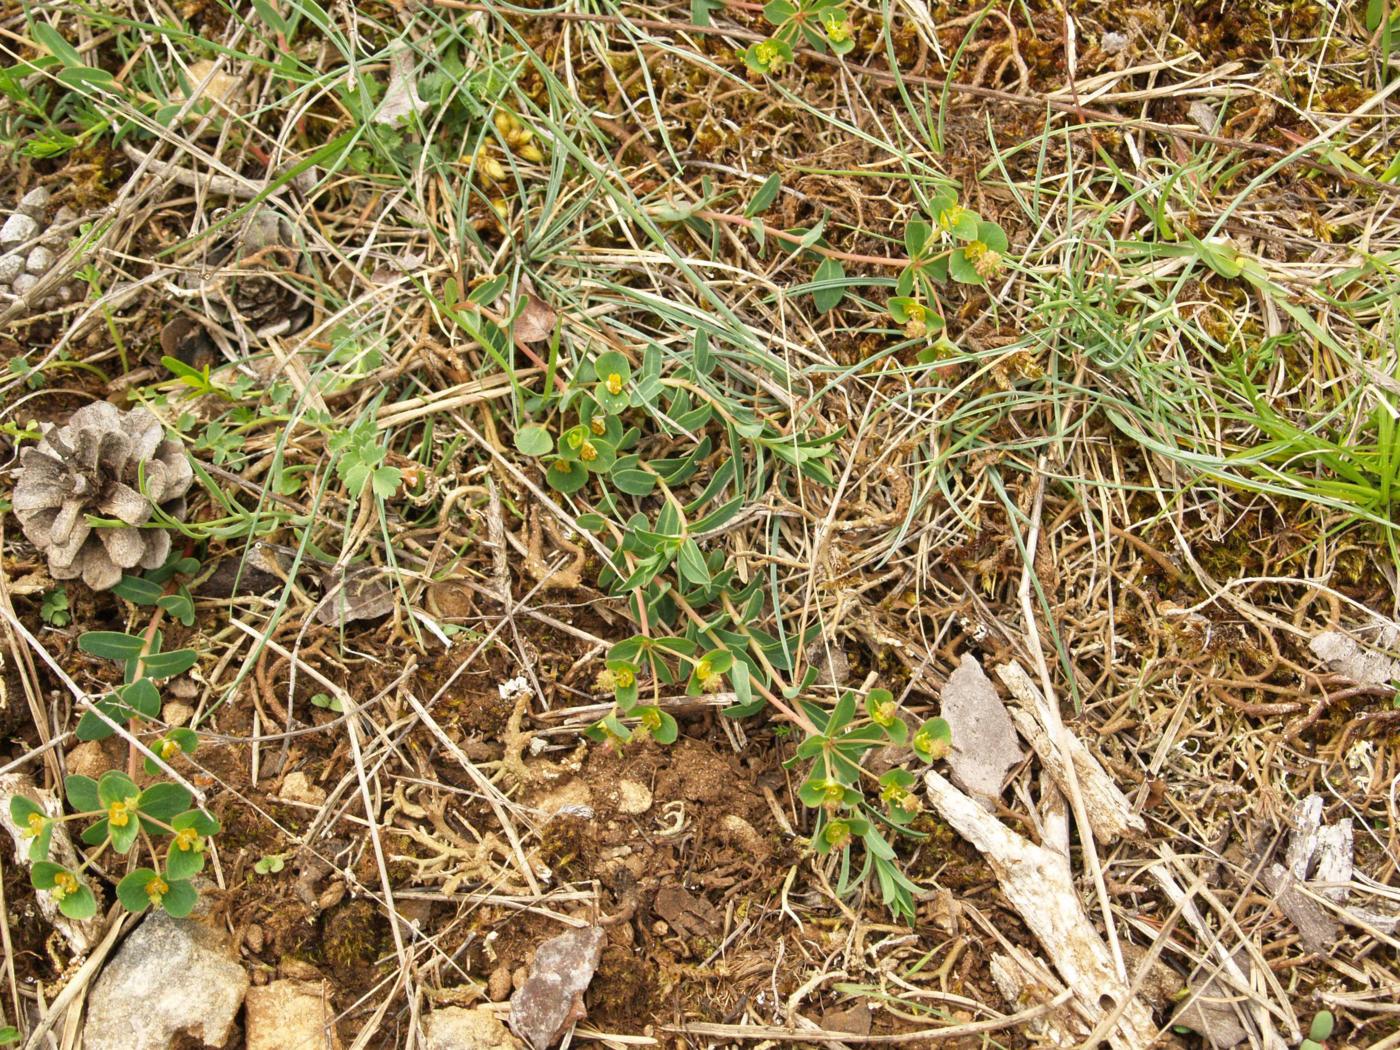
(686, 913)
(220, 87)
(535, 321)
(360, 593)
(854, 1019)
(401, 96)
(984, 740)
(551, 999)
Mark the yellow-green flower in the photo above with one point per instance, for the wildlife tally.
(34, 826)
(768, 55)
(119, 812)
(187, 839)
(614, 383)
(156, 889)
(837, 834)
(930, 745)
(949, 216)
(64, 883)
(902, 797)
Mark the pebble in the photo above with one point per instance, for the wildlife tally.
(459, 1028)
(40, 260)
(18, 229)
(11, 266)
(498, 986)
(298, 788)
(174, 713)
(633, 798)
(24, 283)
(34, 202)
(1114, 43)
(289, 1015)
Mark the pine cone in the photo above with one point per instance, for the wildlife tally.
(250, 282)
(256, 285)
(91, 465)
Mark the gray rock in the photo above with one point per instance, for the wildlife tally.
(40, 260)
(458, 1028)
(984, 740)
(170, 977)
(551, 1000)
(24, 283)
(64, 216)
(18, 228)
(11, 266)
(34, 203)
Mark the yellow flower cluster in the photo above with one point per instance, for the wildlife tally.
(64, 884)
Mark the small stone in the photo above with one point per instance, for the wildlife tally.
(40, 260)
(64, 215)
(633, 798)
(1114, 43)
(11, 266)
(298, 788)
(498, 985)
(24, 283)
(254, 938)
(459, 1028)
(34, 203)
(66, 294)
(176, 713)
(92, 758)
(180, 973)
(18, 228)
(290, 1015)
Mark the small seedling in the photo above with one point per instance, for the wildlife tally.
(54, 608)
(327, 702)
(1318, 1032)
(271, 864)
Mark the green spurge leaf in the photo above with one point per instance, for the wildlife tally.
(111, 645)
(534, 440)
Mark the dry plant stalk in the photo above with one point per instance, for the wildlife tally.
(1108, 810)
(1039, 884)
